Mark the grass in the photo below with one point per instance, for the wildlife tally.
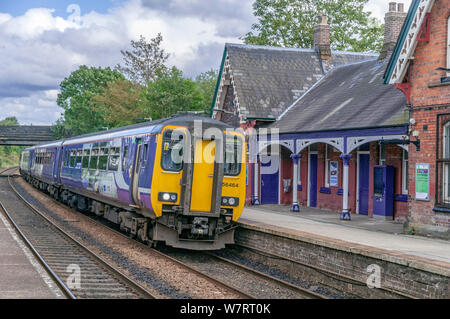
(9, 156)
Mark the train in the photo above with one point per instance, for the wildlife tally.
(179, 180)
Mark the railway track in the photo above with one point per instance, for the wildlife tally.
(306, 293)
(327, 273)
(94, 219)
(79, 272)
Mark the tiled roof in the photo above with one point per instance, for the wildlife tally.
(348, 97)
(270, 79)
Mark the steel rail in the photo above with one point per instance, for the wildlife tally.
(119, 275)
(325, 272)
(306, 292)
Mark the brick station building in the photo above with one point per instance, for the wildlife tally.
(344, 137)
(417, 67)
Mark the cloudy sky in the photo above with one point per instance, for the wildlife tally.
(42, 42)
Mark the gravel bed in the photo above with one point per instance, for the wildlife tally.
(266, 265)
(246, 281)
(162, 277)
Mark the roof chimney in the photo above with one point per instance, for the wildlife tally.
(322, 37)
(393, 22)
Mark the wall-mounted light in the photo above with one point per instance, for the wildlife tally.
(415, 133)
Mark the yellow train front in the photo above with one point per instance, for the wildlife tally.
(197, 187)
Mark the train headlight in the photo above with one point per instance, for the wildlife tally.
(167, 197)
(230, 201)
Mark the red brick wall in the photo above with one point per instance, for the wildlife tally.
(427, 103)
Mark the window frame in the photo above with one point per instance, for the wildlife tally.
(405, 172)
(162, 154)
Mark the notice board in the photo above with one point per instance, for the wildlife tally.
(422, 181)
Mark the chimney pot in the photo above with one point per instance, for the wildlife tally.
(322, 37)
(392, 6)
(393, 24)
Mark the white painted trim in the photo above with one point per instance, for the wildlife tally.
(410, 43)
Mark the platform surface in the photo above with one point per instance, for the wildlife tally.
(361, 230)
(21, 275)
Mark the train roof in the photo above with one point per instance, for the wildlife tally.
(136, 129)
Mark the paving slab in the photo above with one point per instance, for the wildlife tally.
(21, 275)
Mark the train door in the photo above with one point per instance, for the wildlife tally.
(203, 173)
(136, 169)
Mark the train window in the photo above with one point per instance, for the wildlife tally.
(73, 158)
(145, 155)
(124, 159)
(233, 156)
(85, 163)
(94, 159)
(103, 159)
(79, 158)
(172, 151)
(114, 159)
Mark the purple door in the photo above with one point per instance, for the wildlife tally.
(269, 182)
(313, 180)
(364, 168)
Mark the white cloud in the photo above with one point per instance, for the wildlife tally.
(38, 49)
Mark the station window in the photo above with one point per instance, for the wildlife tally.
(327, 165)
(382, 160)
(448, 46)
(405, 177)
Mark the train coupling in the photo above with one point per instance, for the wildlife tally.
(200, 226)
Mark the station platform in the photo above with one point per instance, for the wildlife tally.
(379, 239)
(21, 275)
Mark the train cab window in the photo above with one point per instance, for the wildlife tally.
(103, 159)
(172, 151)
(85, 163)
(124, 158)
(233, 156)
(94, 159)
(114, 159)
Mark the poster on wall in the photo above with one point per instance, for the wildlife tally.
(334, 172)
(422, 181)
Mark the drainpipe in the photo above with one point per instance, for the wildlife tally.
(295, 207)
(345, 215)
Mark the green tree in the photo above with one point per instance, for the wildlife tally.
(206, 83)
(171, 93)
(9, 155)
(145, 62)
(122, 102)
(9, 121)
(290, 23)
(76, 95)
